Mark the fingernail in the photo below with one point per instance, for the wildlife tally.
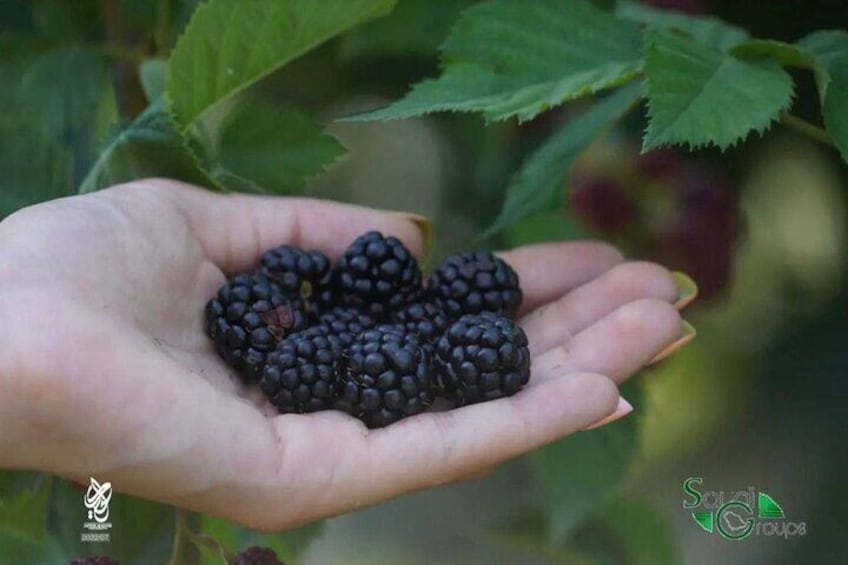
(687, 334)
(687, 289)
(425, 228)
(623, 409)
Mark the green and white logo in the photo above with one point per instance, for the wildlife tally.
(738, 514)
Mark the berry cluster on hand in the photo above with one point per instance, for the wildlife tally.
(368, 335)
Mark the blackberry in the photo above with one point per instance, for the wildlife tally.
(346, 323)
(94, 560)
(378, 274)
(247, 318)
(300, 273)
(302, 373)
(257, 556)
(425, 319)
(481, 357)
(387, 376)
(474, 282)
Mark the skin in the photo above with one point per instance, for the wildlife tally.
(105, 369)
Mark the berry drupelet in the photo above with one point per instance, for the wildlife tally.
(346, 323)
(425, 319)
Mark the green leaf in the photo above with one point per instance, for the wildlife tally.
(276, 149)
(835, 105)
(826, 46)
(153, 73)
(786, 54)
(12, 483)
(699, 95)
(18, 52)
(212, 552)
(80, 76)
(287, 545)
(415, 27)
(506, 58)
(25, 516)
(541, 177)
(644, 533)
(527, 531)
(703, 29)
(149, 146)
(546, 226)
(23, 525)
(65, 21)
(578, 474)
(829, 49)
(230, 44)
(33, 166)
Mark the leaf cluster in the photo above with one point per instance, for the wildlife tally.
(705, 82)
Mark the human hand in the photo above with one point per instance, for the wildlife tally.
(105, 369)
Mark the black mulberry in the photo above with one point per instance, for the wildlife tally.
(481, 357)
(474, 282)
(302, 373)
(378, 275)
(387, 376)
(247, 318)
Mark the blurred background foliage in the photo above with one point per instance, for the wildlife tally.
(757, 399)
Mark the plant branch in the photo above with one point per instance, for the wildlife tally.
(128, 92)
(121, 52)
(806, 128)
(162, 32)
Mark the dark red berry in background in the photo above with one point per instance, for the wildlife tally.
(662, 206)
(603, 203)
(658, 163)
(707, 194)
(257, 556)
(702, 250)
(102, 560)
(701, 241)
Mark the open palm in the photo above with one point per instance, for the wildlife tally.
(105, 369)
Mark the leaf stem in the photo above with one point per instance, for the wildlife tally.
(181, 534)
(806, 128)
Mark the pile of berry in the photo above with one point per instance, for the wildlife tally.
(367, 336)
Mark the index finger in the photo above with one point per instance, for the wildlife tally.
(235, 229)
(550, 270)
